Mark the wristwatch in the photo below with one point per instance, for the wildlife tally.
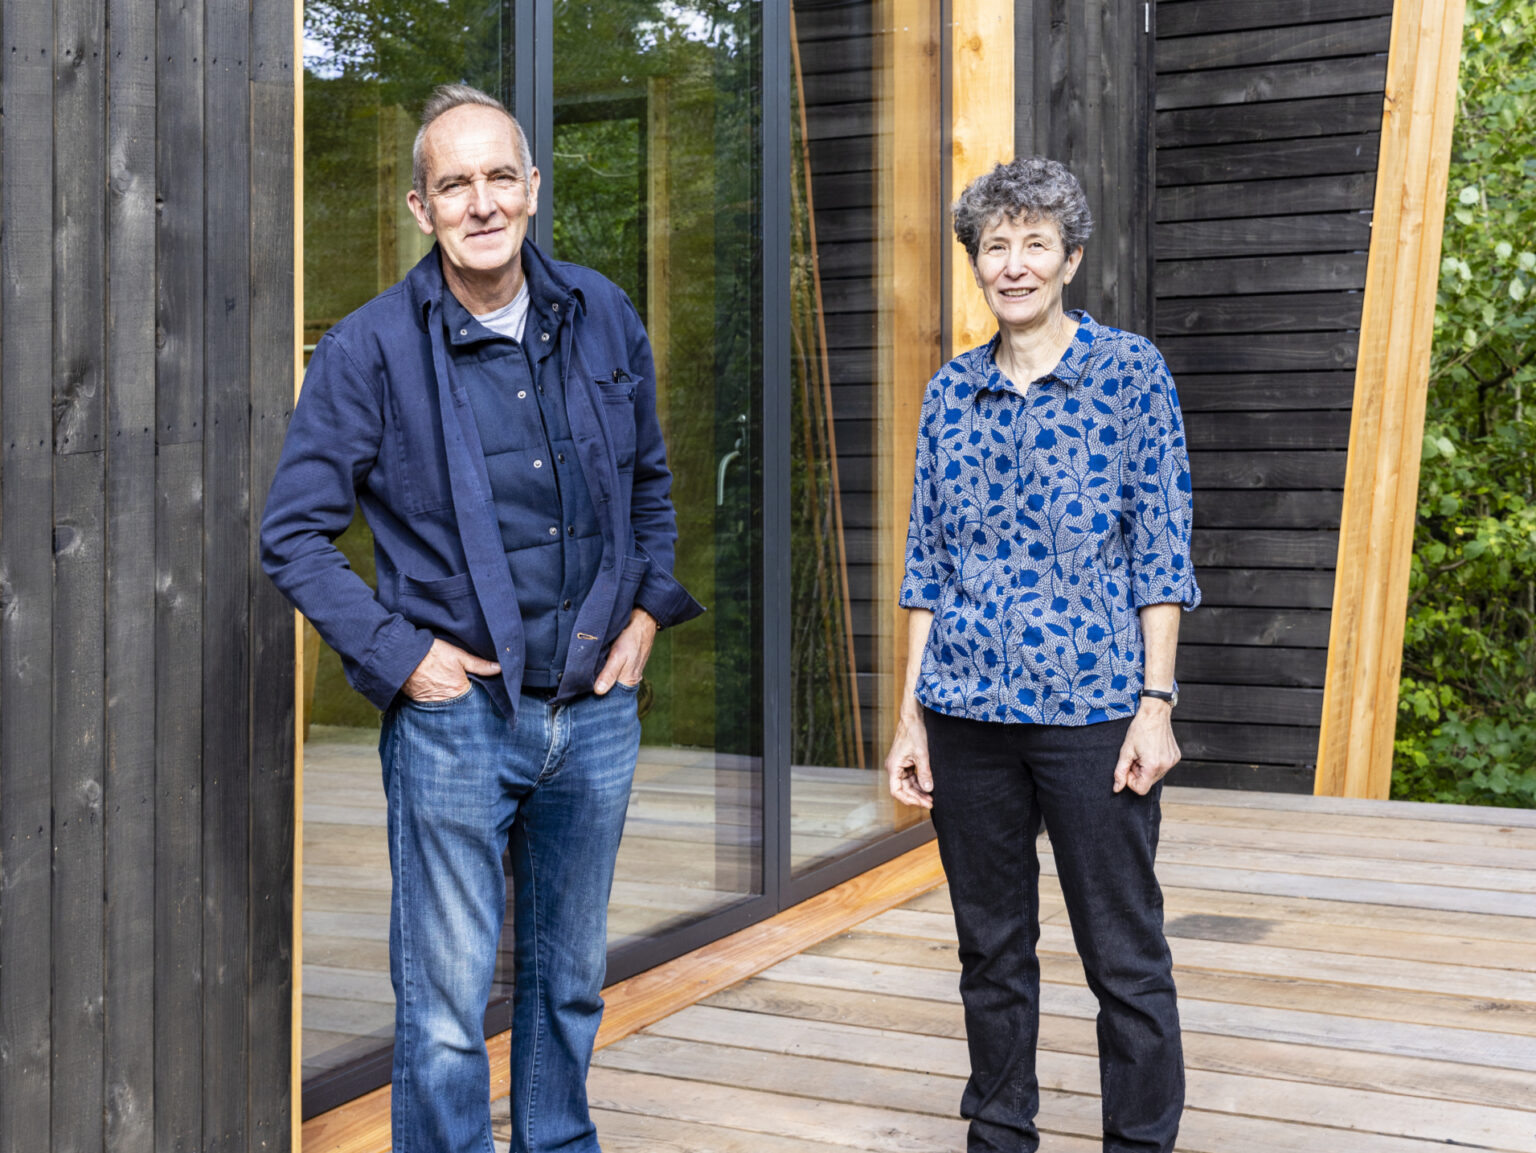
(1158, 694)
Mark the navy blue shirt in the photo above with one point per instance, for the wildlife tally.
(544, 513)
(1041, 523)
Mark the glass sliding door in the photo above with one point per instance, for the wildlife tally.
(368, 66)
(755, 179)
(849, 441)
(654, 181)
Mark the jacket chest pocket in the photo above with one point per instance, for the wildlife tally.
(617, 393)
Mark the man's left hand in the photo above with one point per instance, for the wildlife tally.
(626, 660)
(1149, 750)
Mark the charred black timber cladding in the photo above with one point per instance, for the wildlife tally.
(146, 685)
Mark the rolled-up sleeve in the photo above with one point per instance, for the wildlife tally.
(1156, 507)
(928, 566)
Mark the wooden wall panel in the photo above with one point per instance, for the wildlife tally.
(146, 671)
(1082, 97)
(1381, 488)
(1267, 123)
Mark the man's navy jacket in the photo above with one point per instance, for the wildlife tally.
(382, 423)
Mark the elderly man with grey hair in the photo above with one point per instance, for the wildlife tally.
(1047, 562)
(494, 415)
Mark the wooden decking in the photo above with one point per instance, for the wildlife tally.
(1355, 977)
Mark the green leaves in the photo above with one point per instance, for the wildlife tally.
(1467, 704)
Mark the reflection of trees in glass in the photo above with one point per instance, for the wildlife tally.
(823, 682)
(655, 184)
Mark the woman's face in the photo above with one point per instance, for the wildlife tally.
(1021, 267)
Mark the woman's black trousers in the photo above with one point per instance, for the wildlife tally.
(993, 786)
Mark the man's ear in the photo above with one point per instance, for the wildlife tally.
(421, 212)
(533, 191)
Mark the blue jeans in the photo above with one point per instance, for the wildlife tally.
(460, 782)
(993, 783)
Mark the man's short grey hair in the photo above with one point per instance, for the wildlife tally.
(1028, 188)
(445, 98)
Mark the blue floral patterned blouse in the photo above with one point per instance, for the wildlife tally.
(1041, 523)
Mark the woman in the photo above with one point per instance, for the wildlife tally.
(1047, 561)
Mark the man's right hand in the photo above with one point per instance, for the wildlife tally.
(444, 673)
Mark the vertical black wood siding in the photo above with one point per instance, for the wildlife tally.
(1082, 71)
(146, 668)
(1267, 127)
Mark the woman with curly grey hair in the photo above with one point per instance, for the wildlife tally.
(1047, 564)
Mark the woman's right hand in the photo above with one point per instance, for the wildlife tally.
(907, 763)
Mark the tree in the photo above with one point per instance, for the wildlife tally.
(1467, 707)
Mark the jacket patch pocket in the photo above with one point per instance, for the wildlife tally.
(447, 608)
(618, 393)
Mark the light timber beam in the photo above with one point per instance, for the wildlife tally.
(910, 278)
(981, 135)
(1370, 600)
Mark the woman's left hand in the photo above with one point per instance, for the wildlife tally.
(1149, 750)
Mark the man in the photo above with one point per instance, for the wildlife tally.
(494, 415)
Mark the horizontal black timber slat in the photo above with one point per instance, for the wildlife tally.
(1338, 192)
(1288, 628)
(1261, 352)
(1323, 428)
(1266, 588)
(837, 261)
(1295, 779)
(1276, 120)
(1265, 391)
(856, 120)
(1296, 41)
(1299, 81)
(1249, 704)
(846, 226)
(1262, 235)
(1261, 469)
(1252, 665)
(844, 190)
(1265, 508)
(854, 155)
(1259, 744)
(1268, 159)
(842, 54)
(1261, 274)
(1270, 312)
(1264, 548)
(853, 330)
(838, 87)
(837, 20)
(1193, 17)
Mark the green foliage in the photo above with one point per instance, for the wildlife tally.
(1467, 709)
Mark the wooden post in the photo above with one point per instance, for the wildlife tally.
(981, 135)
(909, 274)
(296, 1075)
(1370, 601)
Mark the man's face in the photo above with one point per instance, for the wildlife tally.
(478, 197)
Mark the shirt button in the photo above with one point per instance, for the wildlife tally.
(538, 464)
(522, 394)
(554, 531)
(556, 307)
(463, 332)
(544, 336)
(570, 530)
(560, 457)
(567, 604)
